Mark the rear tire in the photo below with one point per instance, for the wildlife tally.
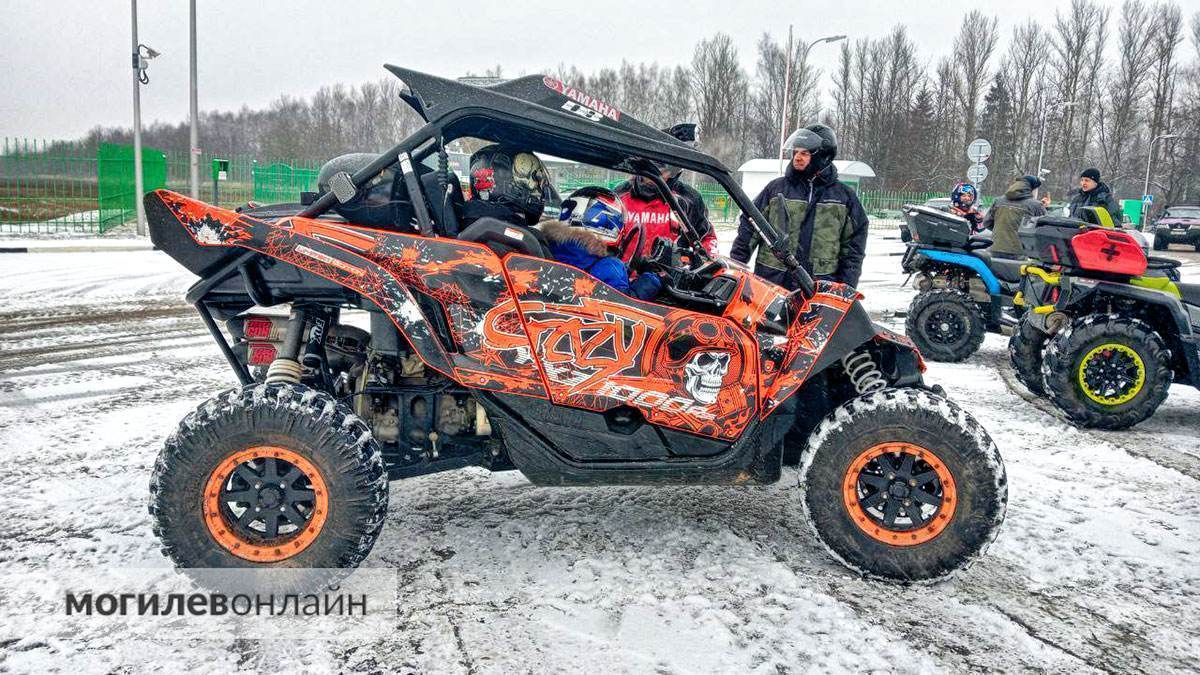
(237, 451)
(1025, 354)
(954, 463)
(945, 324)
(1079, 363)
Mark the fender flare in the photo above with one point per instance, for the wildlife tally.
(963, 260)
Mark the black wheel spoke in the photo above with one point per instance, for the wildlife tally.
(890, 512)
(298, 496)
(247, 496)
(293, 474)
(271, 521)
(906, 466)
(913, 510)
(270, 470)
(924, 477)
(878, 482)
(872, 501)
(293, 516)
(247, 474)
(248, 516)
(885, 463)
(924, 497)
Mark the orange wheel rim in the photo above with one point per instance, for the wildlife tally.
(242, 481)
(905, 481)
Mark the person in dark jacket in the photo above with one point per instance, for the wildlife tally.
(1008, 212)
(820, 216)
(1093, 192)
(585, 235)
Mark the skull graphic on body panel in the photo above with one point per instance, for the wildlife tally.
(704, 375)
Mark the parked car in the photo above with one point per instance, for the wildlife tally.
(1179, 224)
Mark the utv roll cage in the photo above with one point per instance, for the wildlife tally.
(541, 114)
(533, 113)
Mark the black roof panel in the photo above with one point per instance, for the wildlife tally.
(546, 100)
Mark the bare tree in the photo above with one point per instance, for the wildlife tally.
(718, 85)
(973, 48)
(1166, 36)
(1078, 49)
(1023, 70)
(1117, 120)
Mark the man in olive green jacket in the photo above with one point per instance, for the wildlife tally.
(825, 225)
(1019, 203)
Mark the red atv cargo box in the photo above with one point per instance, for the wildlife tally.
(1076, 246)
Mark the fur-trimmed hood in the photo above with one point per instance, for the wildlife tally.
(558, 232)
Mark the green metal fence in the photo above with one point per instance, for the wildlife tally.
(47, 187)
(116, 189)
(54, 187)
(65, 187)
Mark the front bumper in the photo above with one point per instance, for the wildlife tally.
(1178, 235)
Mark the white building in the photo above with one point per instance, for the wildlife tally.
(756, 173)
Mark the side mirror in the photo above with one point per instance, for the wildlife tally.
(684, 131)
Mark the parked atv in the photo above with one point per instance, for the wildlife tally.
(484, 351)
(1108, 328)
(963, 291)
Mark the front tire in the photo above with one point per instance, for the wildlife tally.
(945, 324)
(270, 476)
(1025, 354)
(1161, 243)
(1107, 372)
(902, 484)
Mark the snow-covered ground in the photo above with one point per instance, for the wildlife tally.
(1097, 567)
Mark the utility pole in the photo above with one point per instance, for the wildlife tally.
(787, 82)
(783, 103)
(194, 150)
(1149, 159)
(804, 62)
(137, 126)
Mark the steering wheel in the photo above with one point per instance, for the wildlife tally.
(665, 259)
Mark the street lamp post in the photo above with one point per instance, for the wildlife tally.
(137, 127)
(787, 82)
(1042, 142)
(141, 58)
(1149, 159)
(194, 112)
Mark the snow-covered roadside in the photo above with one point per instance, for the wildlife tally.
(1096, 567)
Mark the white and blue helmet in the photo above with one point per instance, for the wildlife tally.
(597, 209)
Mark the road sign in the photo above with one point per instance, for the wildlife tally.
(1147, 199)
(977, 173)
(979, 150)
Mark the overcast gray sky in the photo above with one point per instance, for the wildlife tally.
(66, 62)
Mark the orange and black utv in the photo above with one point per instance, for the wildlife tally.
(483, 351)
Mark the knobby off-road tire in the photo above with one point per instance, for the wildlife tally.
(945, 324)
(1025, 349)
(900, 442)
(275, 445)
(1089, 342)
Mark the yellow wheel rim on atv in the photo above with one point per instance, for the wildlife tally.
(1107, 352)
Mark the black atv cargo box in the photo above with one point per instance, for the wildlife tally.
(932, 227)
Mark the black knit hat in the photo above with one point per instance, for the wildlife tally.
(1092, 173)
(1034, 182)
